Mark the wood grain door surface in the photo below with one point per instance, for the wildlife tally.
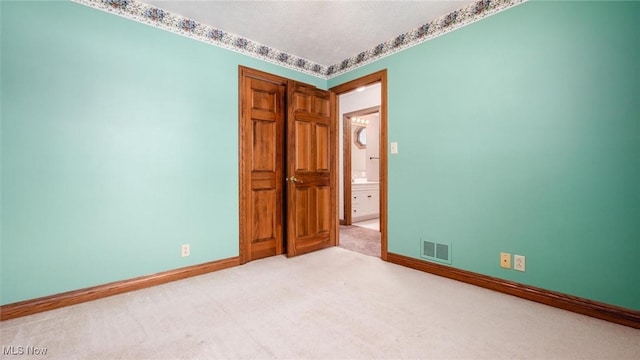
(263, 107)
(287, 167)
(311, 181)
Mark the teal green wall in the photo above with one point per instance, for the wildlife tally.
(518, 133)
(119, 144)
(521, 133)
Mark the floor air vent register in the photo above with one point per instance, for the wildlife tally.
(436, 251)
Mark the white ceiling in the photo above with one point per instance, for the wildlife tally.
(325, 32)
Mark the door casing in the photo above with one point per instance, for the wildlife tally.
(380, 76)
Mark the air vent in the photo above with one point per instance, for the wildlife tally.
(436, 251)
(428, 249)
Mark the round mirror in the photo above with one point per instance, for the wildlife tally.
(361, 137)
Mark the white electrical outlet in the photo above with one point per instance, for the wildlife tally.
(518, 262)
(186, 250)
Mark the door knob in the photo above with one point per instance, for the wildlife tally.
(294, 179)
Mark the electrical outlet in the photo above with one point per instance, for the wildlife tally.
(186, 250)
(518, 262)
(505, 260)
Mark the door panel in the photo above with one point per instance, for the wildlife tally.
(322, 107)
(323, 202)
(262, 166)
(264, 145)
(303, 153)
(322, 149)
(263, 98)
(301, 102)
(311, 211)
(263, 217)
(303, 204)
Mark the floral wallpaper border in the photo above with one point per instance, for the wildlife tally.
(157, 17)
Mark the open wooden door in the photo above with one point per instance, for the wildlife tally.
(311, 169)
(262, 134)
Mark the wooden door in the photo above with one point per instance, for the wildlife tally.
(311, 164)
(262, 123)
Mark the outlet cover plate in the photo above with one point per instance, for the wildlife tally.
(505, 260)
(518, 262)
(185, 250)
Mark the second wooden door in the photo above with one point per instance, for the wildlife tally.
(311, 181)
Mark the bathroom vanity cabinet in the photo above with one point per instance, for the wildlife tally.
(365, 201)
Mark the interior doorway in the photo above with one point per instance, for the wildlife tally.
(360, 159)
(350, 130)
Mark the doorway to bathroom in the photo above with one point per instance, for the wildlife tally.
(363, 164)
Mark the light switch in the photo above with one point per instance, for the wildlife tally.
(394, 147)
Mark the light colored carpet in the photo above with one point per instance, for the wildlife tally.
(331, 304)
(359, 239)
(373, 224)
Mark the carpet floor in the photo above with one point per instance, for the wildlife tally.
(330, 304)
(362, 240)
